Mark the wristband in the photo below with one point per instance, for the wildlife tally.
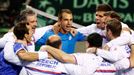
(42, 55)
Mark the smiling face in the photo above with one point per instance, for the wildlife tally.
(66, 22)
(23, 31)
(32, 20)
(104, 20)
(28, 36)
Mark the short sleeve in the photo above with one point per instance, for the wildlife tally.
(18, 47)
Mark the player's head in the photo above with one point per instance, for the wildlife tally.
(100, 10)
(103, 7)
(65, 19)
(94, 40)
(113, 28)
(111, 14)
(29, 16)
(22, 31)
(54, 41)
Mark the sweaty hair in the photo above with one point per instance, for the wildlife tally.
(63, 11)
(104, 7)
(20, 30)
(115, 26)
(23, 15)
(112, 14)
(95, 40)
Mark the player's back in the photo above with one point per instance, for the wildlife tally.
(106, 68)
(45, 67)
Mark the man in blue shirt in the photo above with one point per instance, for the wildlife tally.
(65, 19)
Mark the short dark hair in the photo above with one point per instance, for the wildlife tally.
(112, 14)
(104, 7)
(95, 40)
(115, 26)
(63, 11)
(20, 30)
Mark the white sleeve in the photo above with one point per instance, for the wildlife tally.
(81, 58)
(124, 38)
(84, 59)
(83, 30)
(112, 55)
(9, 54)
(87, 30)
(7, 37)
(39, 32)
(2, 42)
(124, 25)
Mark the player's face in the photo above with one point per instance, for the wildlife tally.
(32, 20)
(66, 22)
(99, 19)
(29, 36)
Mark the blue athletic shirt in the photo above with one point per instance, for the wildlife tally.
(68, 41)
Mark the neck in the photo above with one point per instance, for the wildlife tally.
(113, 38)
(22, 41)
(63, 31)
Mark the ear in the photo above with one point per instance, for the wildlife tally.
(110, 32)
(87, 45)
(25, 36)
(60, 47)
(59, 23)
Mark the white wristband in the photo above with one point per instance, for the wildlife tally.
(42, 55)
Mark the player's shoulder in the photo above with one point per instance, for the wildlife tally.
(116, 47)
(84, 55)
(89, 27)
(44, 28)
(8, 34)
(124, 25)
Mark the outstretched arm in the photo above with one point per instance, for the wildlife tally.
(125, 38)
(59, 54)
(31, 56)
(115, 54)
